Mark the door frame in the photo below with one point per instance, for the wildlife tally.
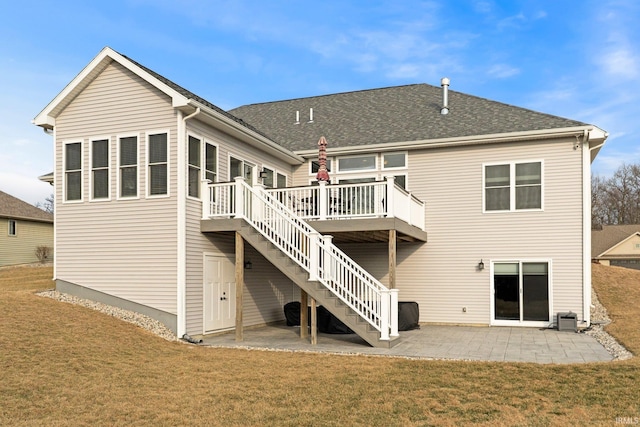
(218, 255)
(525, 323)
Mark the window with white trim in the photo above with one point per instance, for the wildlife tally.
(281, 180)
(211, 162)
(194, 166)
(158, 175)
(513, 186)
(128, 166)
(73, 171)
(359, 163)
(315, 166)
(12, 227)
(394, 160)
(268, 180)
(100, 169)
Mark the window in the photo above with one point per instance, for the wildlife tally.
(129, 166)
(315, 166)
(211, 162)
(394, 160)
(268, 180)
(73, 171)
(158, 164)
(194, 167)
(360, 163)
(513, 186)
(281, 180)
(12, 227)
(100, 169)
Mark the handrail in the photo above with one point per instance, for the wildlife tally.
(323, 261)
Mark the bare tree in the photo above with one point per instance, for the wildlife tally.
(616, 200)
(47, 205)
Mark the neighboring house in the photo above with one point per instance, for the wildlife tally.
(481, 215)
(23, 228)
(617, 245)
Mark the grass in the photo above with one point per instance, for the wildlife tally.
(62, 364)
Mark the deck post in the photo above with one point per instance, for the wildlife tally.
(313, 256)
(323, 200)
(384, 315)
(239, 197)
(304, 313)
(239, 285)
(314, 322)
(391, 190)
(394, 312)
(206, 198)
(392, 258)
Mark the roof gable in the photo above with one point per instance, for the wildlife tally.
(14, 208)
(611, 237)
(392, 115)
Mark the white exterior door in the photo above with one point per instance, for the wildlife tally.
(219, 293)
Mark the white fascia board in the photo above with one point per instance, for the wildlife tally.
(249, 136)
(458, 141)
(46, 118)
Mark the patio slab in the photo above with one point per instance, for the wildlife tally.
(505, 344)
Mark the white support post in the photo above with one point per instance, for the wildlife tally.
(328, 272)
(239, 188)
(313, 256)
(323, 200)
(384, 315)
(394, 312)
(206, 199)
(391, 190)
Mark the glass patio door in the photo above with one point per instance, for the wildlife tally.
(521, 292)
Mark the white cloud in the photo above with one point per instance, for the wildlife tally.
(502, 71)
(620, 62)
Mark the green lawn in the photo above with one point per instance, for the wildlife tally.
(63, 364)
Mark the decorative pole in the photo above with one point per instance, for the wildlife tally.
(323, 174)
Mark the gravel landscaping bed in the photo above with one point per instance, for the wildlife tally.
(600, 318)
(138, 319)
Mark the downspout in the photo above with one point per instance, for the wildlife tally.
(181, 321)
(586, 229)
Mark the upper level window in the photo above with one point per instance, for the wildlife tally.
(513, 186)
(73, 171)
(12, 227)
(211, 162)
(394, 160)
(128, 166)
(315, 166)
(360, 163)
(194, 167)
(268, 180)
(158, 164)
(100, 169)
(281, 180)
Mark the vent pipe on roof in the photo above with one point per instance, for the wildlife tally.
(297, 122)
(310, 115)
(444, 82)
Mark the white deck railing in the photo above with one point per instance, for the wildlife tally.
(315, 253)
(380, 199)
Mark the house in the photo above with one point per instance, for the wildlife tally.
(25, 228)
(212, 220)
(617, 245)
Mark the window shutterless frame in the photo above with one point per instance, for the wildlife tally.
(394, 160)
(100, 166)
(72, 171)
(13, 228)
(194, 165)
(511, 177)
(158, 163)
(128, 166)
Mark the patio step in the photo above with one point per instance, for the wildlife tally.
(315, 289)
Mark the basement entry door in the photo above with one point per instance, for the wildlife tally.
(219, 293)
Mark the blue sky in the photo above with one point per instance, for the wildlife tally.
(575, 59)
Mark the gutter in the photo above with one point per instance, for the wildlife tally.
(462, 141)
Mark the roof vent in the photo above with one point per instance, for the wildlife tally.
(444, 82)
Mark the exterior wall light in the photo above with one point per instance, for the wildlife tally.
(481, 265)
(263, 174)
(248, 265)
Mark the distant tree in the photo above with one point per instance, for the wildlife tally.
(47, 205)
(616, 200)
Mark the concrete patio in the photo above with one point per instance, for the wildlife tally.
(502, 344)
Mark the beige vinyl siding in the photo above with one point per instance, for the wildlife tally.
(125, 248)
(267, 289)
(20, 249)
(441, 275)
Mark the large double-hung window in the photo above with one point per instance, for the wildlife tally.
(73, 171)
(513, 186)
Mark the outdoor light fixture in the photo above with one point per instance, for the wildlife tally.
(481, 265)
(263, 174)
(248, 265)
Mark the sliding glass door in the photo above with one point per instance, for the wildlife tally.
(521, 292)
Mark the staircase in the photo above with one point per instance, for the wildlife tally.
(313, 263)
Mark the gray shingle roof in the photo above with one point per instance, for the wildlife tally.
(14, 208)
(609, 236)
(393, 114)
